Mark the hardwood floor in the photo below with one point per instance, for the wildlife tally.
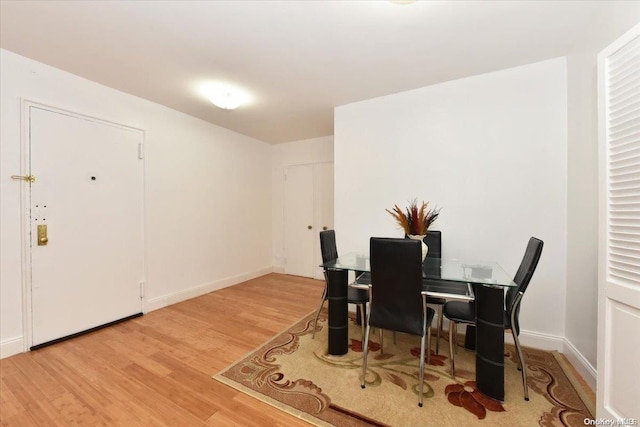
(156, 370)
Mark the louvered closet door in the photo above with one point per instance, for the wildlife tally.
(619, 248)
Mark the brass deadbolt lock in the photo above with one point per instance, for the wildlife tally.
(42, 235)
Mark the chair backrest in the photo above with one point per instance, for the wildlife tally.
(396, 274)
(328, 245)
(433, 240)
(523, 276)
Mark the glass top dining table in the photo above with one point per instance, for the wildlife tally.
(466, 271)
(489, 281)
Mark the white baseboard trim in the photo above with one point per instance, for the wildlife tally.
(582, 365)
(170, 299)
(11, 347)
(278, 269)
(537, 340)
(532, 339)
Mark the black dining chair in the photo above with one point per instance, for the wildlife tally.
(462, 312)
(397, 302)
(357, 296)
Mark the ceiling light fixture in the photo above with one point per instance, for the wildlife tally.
(225, 96)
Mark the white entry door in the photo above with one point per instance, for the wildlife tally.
(308, 199)
(619, 248)
(88, 193)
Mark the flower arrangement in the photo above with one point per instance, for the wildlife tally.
(415, 220)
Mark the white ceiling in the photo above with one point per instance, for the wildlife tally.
(299, 59)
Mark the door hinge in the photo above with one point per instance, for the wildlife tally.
(141, 290)
(140, 151)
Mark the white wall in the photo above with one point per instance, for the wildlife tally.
(491, 151)
(208, 191)
(582, 202)
(308, 151)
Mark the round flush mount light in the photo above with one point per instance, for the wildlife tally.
(225, 96)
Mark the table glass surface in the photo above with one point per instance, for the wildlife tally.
(483, 272)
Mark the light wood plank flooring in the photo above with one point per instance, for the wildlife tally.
(156, 370)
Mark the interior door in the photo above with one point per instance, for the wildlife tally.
(308, 199)
(300, 234)
(619, 245)
(88, 193)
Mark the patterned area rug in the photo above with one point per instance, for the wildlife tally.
(294, 373)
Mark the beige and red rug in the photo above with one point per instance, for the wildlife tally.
(294, 373)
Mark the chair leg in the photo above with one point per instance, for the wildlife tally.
(364, 355)
(362, 322)
(455, 338)
(315, 322)
(452, 333)
(429, 346)
(440, 307)
(519, 361)
(380, 334)
(421, 374)
(524, 366)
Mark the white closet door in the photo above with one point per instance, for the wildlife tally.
(308, 200)
(619, 267)
(89, 194)
(300, 233)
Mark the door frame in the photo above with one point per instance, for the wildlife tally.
(25, 203)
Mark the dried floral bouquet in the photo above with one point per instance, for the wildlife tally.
(415, 221)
